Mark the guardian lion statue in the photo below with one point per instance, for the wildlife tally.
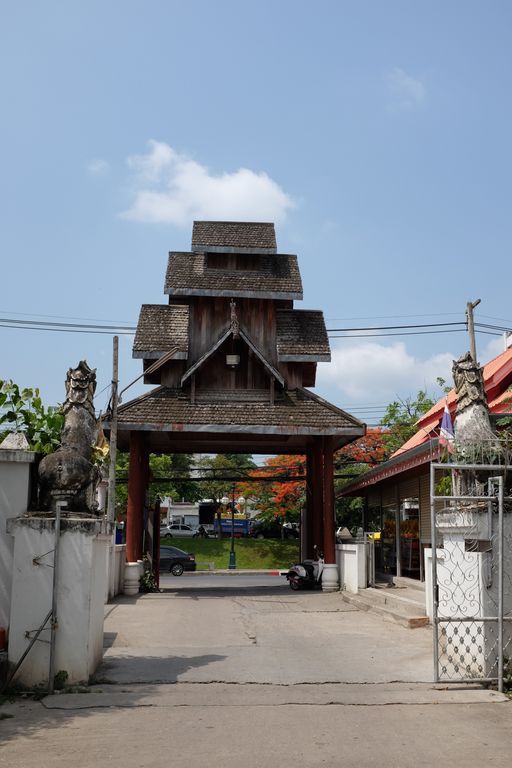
(68, 474)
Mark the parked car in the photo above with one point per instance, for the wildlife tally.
(264, 530)
(176, 561)
(343, 534)
(180, 530)
(292, 526)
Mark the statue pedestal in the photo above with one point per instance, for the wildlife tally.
(81, 588)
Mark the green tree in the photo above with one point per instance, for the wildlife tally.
(22, 410)
(162, 468)
(234, 465)
(355, 459)
(178, 466)
(280, 499)
(399, 420)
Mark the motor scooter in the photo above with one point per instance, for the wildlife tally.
(308, 574)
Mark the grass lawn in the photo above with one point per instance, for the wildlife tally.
(250, 553)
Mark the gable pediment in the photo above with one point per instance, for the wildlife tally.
(224, 337)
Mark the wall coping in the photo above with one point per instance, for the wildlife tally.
(9, 455)
(87, 525)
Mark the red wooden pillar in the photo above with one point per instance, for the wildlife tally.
(307, 531)
(138, 473)
(328, 493)
(317, 530)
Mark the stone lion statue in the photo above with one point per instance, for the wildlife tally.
(68, 474)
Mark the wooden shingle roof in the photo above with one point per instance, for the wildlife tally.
(270, 276)
(234, 236)
(160, 327)
(293, 412)
(301, 335)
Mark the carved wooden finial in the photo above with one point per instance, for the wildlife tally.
(235, 325)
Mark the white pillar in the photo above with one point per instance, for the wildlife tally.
(80, 597)
(14, 499)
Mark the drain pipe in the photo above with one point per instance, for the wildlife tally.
(54, 622)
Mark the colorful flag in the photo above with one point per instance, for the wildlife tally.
(446, 434)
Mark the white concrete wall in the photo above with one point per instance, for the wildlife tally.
(14, 498)
(80, 597)
(428, 580)
(116, 562)
(351, 561)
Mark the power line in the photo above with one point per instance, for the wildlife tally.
(387, 317)
(65, 325)
(394, 327)
(65, 317)
(348, 332)
(66, 330)
(406, 333)
(502, 319)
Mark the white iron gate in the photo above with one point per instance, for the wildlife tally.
(471, 572)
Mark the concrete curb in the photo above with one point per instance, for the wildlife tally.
(239, 571)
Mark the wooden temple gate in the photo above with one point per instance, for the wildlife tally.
(232, 359)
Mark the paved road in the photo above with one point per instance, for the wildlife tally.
(251, 674)
(235, 579)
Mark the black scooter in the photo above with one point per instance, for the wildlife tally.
(308, 574)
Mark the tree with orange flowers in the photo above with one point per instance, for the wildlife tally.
(281, 498)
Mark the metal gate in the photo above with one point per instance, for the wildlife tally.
(471, 518)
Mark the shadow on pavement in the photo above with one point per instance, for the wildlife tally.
(149, 669)
(221, 591)
(22, 716)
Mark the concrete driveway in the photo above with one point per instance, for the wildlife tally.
(254, 677)
(256, 630)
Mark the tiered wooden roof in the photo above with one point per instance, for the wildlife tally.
(266, 276)
(161, 327)
(235, 236)
(236, 356)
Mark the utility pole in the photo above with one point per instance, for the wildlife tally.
(111, 504)
(471, 327)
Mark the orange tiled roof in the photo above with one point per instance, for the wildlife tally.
(498, 371)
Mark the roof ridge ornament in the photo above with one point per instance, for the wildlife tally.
(235, 325)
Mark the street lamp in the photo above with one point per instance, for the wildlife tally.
(232, 555)
(224, 501)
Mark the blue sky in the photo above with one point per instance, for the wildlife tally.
(376, 135)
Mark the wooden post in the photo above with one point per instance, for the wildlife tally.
(137, 479)
(307, 535)
(328, 492)
(317, 532)
(111, 502)
(470, 306)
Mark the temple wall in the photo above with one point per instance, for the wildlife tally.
(14, 498)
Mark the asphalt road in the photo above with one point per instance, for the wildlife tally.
(234, 580)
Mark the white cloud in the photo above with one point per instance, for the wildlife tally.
(492, 349)
(406, 92)
(98, 167)
(371, 372)
(171, 188)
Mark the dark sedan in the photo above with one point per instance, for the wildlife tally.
(272, 530)
(176, 561)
